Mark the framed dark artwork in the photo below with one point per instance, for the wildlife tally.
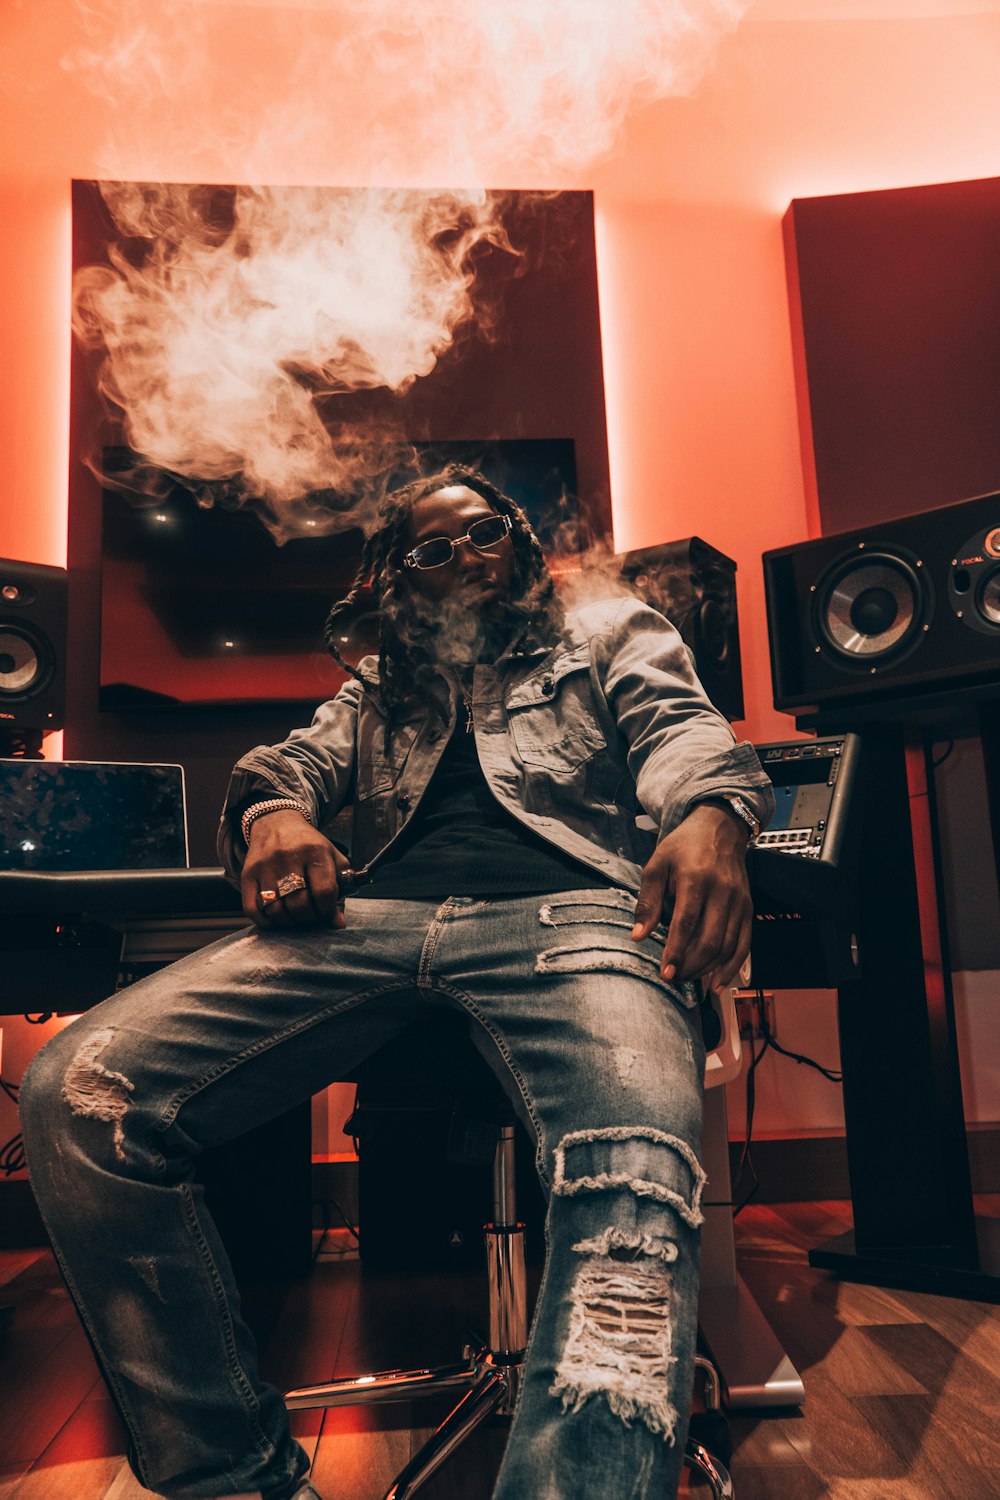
(254, 368)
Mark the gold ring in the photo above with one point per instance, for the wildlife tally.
(288, 884)
(266, 897)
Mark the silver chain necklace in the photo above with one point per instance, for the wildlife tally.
(466, 692)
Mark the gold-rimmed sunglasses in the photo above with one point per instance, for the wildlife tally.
(439, 550)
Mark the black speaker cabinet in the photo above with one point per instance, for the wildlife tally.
(902, 607)
(695, 587)
(32, 646)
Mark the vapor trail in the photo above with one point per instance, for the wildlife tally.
(226, 315)
(217, 340)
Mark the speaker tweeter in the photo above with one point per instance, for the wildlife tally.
(974, 582)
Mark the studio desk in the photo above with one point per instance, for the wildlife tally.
(69, 940)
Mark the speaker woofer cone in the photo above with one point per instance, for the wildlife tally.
(871, 606)
(26, 664)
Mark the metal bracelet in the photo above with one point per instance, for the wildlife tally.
(269, 805)
(743, 811)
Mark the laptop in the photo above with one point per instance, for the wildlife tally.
(91, 815)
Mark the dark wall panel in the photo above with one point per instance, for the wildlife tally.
(896, 317)
(895, 313)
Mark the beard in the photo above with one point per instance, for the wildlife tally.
(461, 628)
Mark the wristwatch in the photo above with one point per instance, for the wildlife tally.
(742, 809)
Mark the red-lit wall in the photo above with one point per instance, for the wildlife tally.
(698, 364)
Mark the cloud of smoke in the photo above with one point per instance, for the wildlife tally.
(220, 341)
(543, 83)
(430, 91)
(225, 316)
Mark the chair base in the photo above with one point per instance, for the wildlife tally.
(490, 1386)
(700, 1461)
(490, 1376)
(491, 1389)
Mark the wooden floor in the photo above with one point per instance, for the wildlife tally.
(903, 1389)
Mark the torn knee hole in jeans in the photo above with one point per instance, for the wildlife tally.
(620, 1339)
(94, 1091)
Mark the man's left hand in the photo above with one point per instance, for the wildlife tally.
(700, 870)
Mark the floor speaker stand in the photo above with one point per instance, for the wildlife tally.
(914, 1225)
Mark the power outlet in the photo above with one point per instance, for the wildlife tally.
(751, 1007)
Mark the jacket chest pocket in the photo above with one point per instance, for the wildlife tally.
(377, 770)
(553, 719)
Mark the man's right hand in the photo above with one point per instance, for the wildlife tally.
(284, 850)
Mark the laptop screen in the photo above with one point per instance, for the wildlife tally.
(91, 815)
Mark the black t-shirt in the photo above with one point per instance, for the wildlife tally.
(462, 842)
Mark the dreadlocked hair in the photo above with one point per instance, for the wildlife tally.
(407, 669)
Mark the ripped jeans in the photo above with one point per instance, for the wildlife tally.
(602, 1060)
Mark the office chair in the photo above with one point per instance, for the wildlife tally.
(487, 1377)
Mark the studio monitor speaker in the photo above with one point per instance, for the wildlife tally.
(695, 587)
(902, 607)
(32, 646)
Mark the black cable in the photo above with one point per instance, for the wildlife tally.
(351, 1228)
(12, 1157)
(325, 1204)
(831, 1073)
(326, 1230)
(769, 1044)
(942, 758)
(746, 1157)
(40, 1018)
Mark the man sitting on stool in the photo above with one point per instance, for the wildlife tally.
(496, 755)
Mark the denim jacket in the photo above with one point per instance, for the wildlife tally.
(578, 741)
